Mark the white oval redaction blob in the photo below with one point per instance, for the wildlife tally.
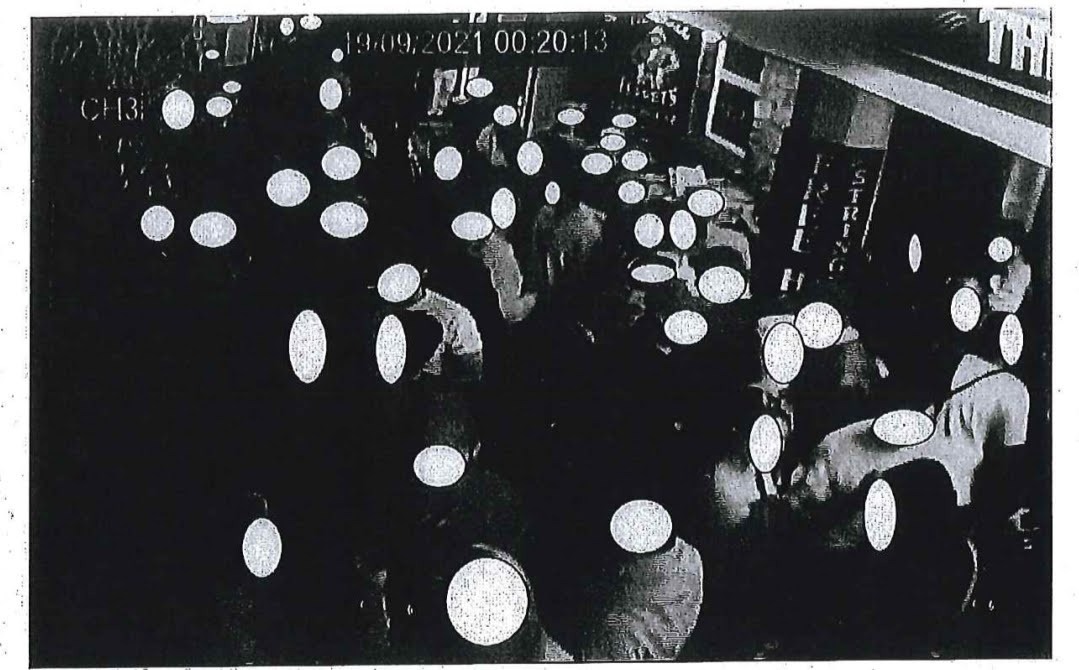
(398, 283)
(479, 87)
(914, 252)
(783, 353)
(448, 163)
(652, 273)
(288, 188)
(505, 115)
(344, 220)
(178, 109)
(530, 158)
(157, 223)
(721, 285)
(903, 428)
(613, 142)
(310, 22)
(685, 327)
(330, 94)
(1001, 249)
(487, 601)
(683, 229)
(820, 324)
(706, 202)
(218, 106)
(472, 226)
(641, 526)
(552, 193)
(212, 54)
(1011, 339)
(262, 548)
(307, 346)
(966, 309)
(503, 208)
(439, 466)
(231, 86)
(597, 164)
(341, 163)
(337, 55)
(631, 192)
(880, 515)
(287, 26)
(648, 230)
(213, 229)
(634, 160)
(391, 349)
(765, 443)
(570, 117)
(624, 120)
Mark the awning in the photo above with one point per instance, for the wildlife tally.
(822, 41)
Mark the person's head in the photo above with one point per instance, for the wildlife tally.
(401, 285)
(657, 36)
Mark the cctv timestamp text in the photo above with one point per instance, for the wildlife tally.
(516, 41)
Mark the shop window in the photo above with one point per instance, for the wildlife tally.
(736, 89)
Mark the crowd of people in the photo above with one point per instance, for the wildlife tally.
(597, 438)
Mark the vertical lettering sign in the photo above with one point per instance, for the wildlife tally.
(833, 218)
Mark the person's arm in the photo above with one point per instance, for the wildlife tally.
(464, 354)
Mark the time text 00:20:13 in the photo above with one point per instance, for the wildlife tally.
(479, 42)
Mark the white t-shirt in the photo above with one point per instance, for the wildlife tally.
(653, 608)
(506, 277)
(460, 334)
(992, 410)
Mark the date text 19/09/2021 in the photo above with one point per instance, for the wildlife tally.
(481, 42)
